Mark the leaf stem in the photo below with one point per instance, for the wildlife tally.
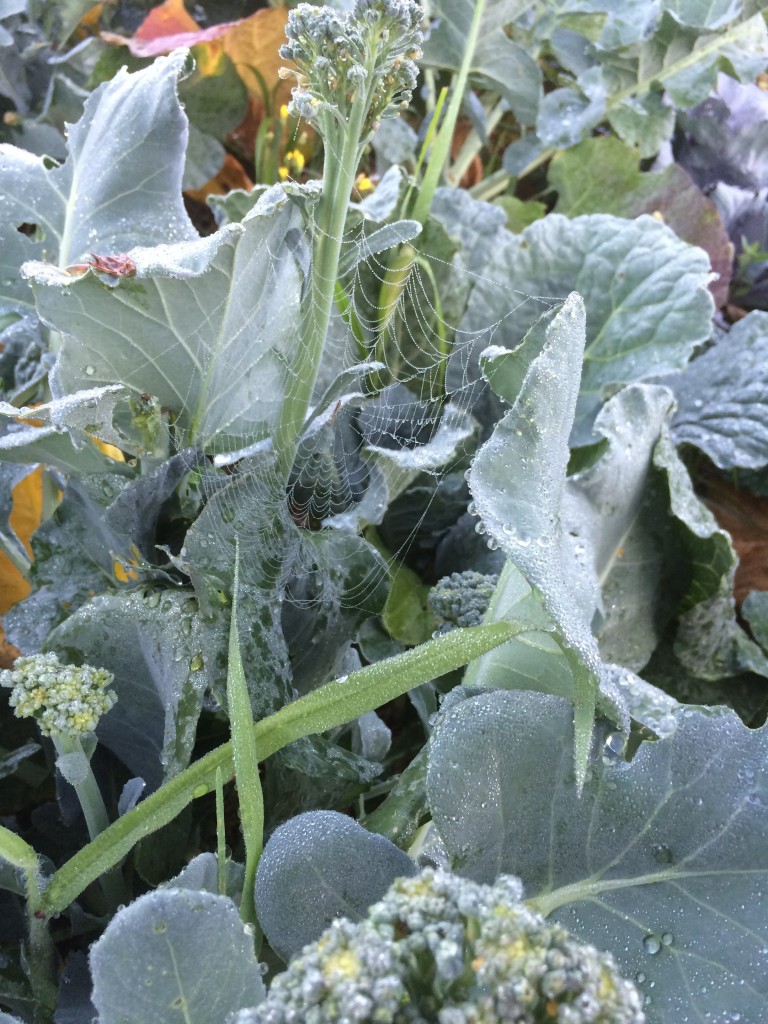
(246, 759)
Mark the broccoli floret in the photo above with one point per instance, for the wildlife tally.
(64, 699)
(440, 949)
(461, 599)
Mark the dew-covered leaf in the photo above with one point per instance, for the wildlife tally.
(661, 861)
(517, 482)
(319, 866)
(602, 175)
(119, 187)
(174, 954)
(207, 327)
(722, 397)
(645, 293)
(154, 647)
(617, 514)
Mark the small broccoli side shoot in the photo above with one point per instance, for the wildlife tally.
(461, 599)
(440, 948)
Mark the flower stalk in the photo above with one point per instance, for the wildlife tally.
(351, 71)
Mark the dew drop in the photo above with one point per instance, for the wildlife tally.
(662, 853)
(639, 977)
(153, 600)
(200, 790)
(667, 939)
(160, 927)
(651, 944)
(89, 370)
(196, 662)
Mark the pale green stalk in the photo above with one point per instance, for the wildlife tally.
(342, 153)
(444, 139)
(41, 956)
(95, 813)
(246, 759)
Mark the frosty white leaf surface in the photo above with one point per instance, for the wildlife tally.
(174, 953)
(207, 326)
(155, 649)
(660, 861)
(119, 187)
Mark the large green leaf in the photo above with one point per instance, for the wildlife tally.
(517, 482)
(645, 293)
(722, 397)
(208, 327)
(602, 175)
(661, 861)
(499, 63)
(617, 514)
(175, 954)
(119, 187)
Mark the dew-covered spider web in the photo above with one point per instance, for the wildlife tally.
(399, 406)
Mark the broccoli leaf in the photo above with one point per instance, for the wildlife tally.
(722, 406)
(319, 866)
(191, 312)
(155, 648)
(517, 481)
(645, 292)
(498, 64)
(119, 187)
(174, 952)
(661, 861)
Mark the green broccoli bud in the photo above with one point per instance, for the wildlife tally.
(443, 949)
(370, 51)
(64, 699)
(461, 599)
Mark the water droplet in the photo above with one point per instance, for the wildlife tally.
(651, 944)
(196, 662)
(342, 679)
(89, 370)
(662, 853)
(227, 514)
(639, 977)
(612, 748)
(667, 939)
(153, 600)
(200, 790)
(160, 927)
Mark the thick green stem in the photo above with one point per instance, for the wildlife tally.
(41, 956)
(342, 156)
(94, 811)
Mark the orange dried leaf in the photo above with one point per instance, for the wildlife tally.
(24, 519)
(254, 43)
(169, 19)
(229, 176)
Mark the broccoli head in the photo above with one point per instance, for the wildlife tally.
(440, 949)
(461, 599)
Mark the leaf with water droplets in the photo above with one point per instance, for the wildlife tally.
(518, 480)
(175, 954)
(120, 185)
(660, 860)
(645, 290)
(153, 646)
